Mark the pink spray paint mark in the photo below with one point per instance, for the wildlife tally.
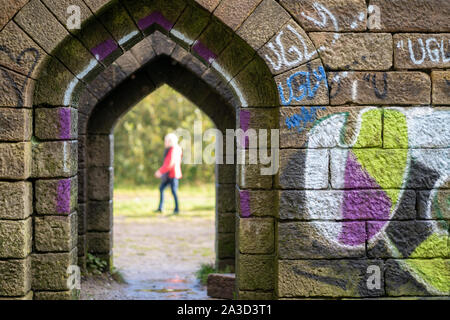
(245, 203)
(63, 196)
(244, 121)
(155, 17)
(204, 51)
(361, 205)
(65, 123)
(104, 49)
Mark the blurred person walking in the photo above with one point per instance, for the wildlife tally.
(170, 171)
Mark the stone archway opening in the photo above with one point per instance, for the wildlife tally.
(95, 172)
(157, 254)
(69, 83)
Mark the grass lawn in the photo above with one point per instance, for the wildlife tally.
(139, 202)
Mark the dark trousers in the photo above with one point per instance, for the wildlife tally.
(173, 183)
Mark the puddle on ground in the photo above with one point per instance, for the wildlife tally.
(162, 289)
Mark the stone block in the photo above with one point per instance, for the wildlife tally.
(305, 85)
(17, 44)
(101, 183)
(441, 87)
(100, 242)
(221, 285)
(319, 240)
(117, 21)
(345, 15)
(10, 8)
(15, 200)
(15, 160)
(288, 49)
(190, 25)
(225, 245)
(257, 203)
(52, 159)
(100, 150)
(433, 277)
(56, 123)
(421, 51)
(432, 17)
(354, 51)
(99, 216)
(15, 280)
(56, 197)
(295, 174)
(225, 222)
(381, 88)
(15, 238)
(328, 278)
(15, 124)
(16, 89)
(262, 93)
(225, 199)
(56, 233)
(256, 272)
(256, 235)
(156, 15)
(266, 20)
(37, 21)
(50, 270)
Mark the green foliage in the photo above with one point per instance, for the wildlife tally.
(206, 269)
(96, 265)
(139, 138)
(117, 275)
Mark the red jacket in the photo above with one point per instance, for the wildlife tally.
(172, 163)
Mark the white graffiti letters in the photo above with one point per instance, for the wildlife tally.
(433, 49)
(324, 13)
(301, 55)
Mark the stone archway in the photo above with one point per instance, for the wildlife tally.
(68, 66)
(96, 156)
(350, 95)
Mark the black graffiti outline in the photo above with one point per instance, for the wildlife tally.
(375, 87)
(19, 61)
(334, 80)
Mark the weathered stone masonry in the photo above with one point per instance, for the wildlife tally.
(362, 105)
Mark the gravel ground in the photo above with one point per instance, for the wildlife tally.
(157, 257)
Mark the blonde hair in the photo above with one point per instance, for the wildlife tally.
(171, 140)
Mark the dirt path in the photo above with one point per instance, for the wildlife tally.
(158, 257)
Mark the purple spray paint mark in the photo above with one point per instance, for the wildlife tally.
(353, 233)
(65, 123)
(104, 49)
(155, 17)
(244, 121)
(356, 177)
(373, 204)
(63, 196)
(204, 52)
(245, 203)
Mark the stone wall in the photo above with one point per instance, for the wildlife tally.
(359, 91)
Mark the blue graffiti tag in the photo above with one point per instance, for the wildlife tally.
(305, 87)
(302, 119)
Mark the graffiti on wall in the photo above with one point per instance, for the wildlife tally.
(300, 51)
(20, 60)
(431, 50)
(374, 185)
(300, 120)
(303, 85)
